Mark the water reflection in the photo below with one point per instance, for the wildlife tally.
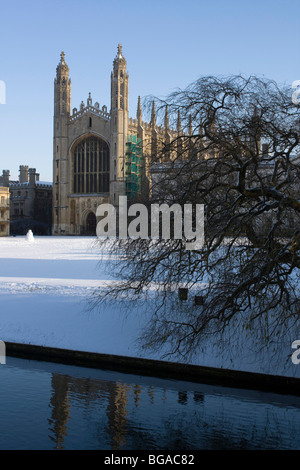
(89, 394)
(60, 409)
(65, 407)
(117, 412)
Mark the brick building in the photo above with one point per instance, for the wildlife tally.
(4, 211)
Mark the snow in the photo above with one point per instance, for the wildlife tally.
(29, 236)
(45, 288)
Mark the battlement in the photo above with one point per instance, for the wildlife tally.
(44, 185)
(89, 108)
(18, 185)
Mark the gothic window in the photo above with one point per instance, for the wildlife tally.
(72, 216)
(91, 166)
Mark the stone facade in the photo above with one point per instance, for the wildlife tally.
(4, 211)
(30, 202)
(98, 155)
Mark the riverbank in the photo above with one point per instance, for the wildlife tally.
(156, 368)
(45, 288)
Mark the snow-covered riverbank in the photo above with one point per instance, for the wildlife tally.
(45, 286)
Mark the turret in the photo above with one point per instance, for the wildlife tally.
(62, 111)
(178, 123)
(23, 173)
(119, 124)
(154, 136)
(139, 112)
(62, 88)
(190, 126)
(167, 136)
(167, 125)
(5, 178)
(32, 177)
(179, 134)
(255, 133)
(153, 116)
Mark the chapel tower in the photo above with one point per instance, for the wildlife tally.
(119, 126)
(62, 110)
(98, 154)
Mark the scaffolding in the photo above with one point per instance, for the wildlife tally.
(133, 166)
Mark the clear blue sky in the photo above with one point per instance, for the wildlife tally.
(167, 44)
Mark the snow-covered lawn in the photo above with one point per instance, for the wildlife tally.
(45, 286)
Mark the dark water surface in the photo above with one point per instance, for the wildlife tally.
(54, 406)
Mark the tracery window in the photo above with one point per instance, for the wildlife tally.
(91, 166)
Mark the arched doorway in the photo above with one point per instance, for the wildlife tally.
(90, 224)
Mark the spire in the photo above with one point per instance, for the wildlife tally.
(167, 127)
(120, 59)
(190, 125)
(62, 88)
(89, 100)
(153, 115)
(255, 132)
(62, 57)
(211, 125)
(178, 122)
(62, 70)
(119, 83)
(139, 111)
(167, 135)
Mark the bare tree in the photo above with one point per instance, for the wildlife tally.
(237, 153)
